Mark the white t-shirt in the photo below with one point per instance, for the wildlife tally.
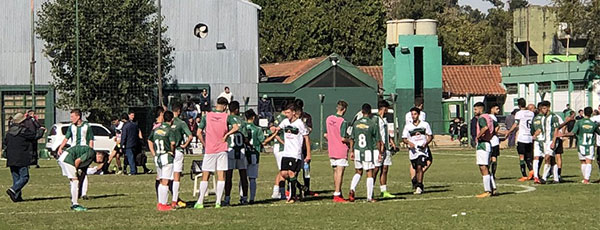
(294, 133)
(523, 118)
(227, 96)
(495, 141)
(408, 117)
(418, 136)
(597, 120)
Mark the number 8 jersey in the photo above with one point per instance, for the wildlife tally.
(162, 138)
(365, 134)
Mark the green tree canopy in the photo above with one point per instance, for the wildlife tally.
(118, 53)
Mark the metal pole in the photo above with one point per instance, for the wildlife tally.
(159, 56)
(321, 99)
(32, 63)
(77, 52)
(568, 71)
(469, 117)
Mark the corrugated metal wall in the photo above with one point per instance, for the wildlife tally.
(197, 61)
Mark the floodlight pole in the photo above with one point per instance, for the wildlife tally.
(32, 63)
(159, 56)
(77, 52)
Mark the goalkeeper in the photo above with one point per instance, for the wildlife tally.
(74, 162)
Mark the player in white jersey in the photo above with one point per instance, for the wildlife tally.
(422, 117)
(495, 141)
(417, 135)
(523, 120)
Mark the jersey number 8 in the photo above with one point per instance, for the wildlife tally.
(362, 141)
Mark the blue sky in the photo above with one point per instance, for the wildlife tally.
(483, 5)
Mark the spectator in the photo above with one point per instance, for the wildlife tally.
(265, 109)
(510, 121)
(32, 124)
(474, 131)
(580, 115)
(566, 110)
(129, 141)
(226, 94)
(190, 107)
(570, 125)
(10, 121)
(454, 129)
(19, 154)
(204, 102)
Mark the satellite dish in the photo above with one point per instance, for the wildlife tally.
(201, 30)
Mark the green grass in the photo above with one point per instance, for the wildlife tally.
(129, 202)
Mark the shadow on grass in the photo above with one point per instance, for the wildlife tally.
(105, 196)
(507, 178)
(46, 198)
(110, 207)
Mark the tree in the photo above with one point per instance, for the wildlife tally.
(118, 54)
(516, 4)
(582, 18)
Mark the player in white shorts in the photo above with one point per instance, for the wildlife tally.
(183, 138)
(586, 131)
(388, 147)
(485, 127)
(279, 186)
(74, 162)
(161, 143)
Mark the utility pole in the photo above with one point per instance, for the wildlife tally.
(77, 52)
(508, 46)
(32, 63)
(159, 60)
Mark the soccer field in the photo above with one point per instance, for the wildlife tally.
(129, 202)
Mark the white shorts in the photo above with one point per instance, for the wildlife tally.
(67, 170)
(547, 149)
(165, 172)
(365, 165)
(277, 155)
(538, 149)
(338, 162)
(241, 163)
(483, 155)
(215, 162)
(178, 161)
(591, 151)
(387, 159)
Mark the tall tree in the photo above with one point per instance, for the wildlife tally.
(118, 53)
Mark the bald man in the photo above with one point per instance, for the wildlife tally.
(523, 120)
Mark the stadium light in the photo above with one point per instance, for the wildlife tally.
(466, 54)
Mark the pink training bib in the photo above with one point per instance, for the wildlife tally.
(216, 128)
(337, 148)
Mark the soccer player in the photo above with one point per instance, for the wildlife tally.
(551, 125)
(596, 119)
(337, 148)
(161, 143)
(524, 140)
(74, 162)
(183, 137)
(417, 135)
(307, 119)
(408, 119)
(279, 187)
(215, 124)
(586, 131)
(365, 149)
(495, 141)
(538, 145)
(256, 140)
(116, 125)
(485, 127)
(236, 156)
(295, 134)
(388, 145)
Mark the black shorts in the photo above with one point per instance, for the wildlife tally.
(496, 151)
(429, 155)
(291, 164)
(524, 148)
(558, 148)
(420, 160)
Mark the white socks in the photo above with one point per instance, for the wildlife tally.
(74, 191)
(555, 172)
(370, 183)
(536, 168)
(588, 171)
(203, 190)
(383, 188)
(84, 186)
(355, 180)
(487, 183)
(220, 188)
(546, 170)
(252, 188)
(583, 170)
(163, 194)
(175, 191)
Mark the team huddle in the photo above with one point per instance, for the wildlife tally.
(232, 141)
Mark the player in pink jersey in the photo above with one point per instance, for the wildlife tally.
(215, 125)
(337, 147)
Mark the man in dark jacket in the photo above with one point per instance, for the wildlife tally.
(32, 124)
(129, 142)
(19, 153)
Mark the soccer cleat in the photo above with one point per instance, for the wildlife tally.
(164, 207)
(181, 204)
(523, 179)
(372, 201)
(418, 191)
(339, 199)
(78, 208)
(290, 201)
(217, 205)
(351, 196)
(585, 181)
(287, 194)
(484, 195)
(494, 192)
(387, 194)
(537, 180)
(311, 193)
(243, 201)
(530, 175)
(173, 205)
(198, 206)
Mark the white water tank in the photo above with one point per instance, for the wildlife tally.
(391, 32)
(426, 27)
(405, 27)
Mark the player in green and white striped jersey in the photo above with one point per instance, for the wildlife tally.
(279, 186)
(236, 156)
(78, 133)
(586, 131)
(74, 162)
(255, 143)
(161, 143)
(365, 150)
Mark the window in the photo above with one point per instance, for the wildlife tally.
(562, 85)
(580, 85)
(341, 78)
(544, 87)
(512, 89)
(100, 131)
